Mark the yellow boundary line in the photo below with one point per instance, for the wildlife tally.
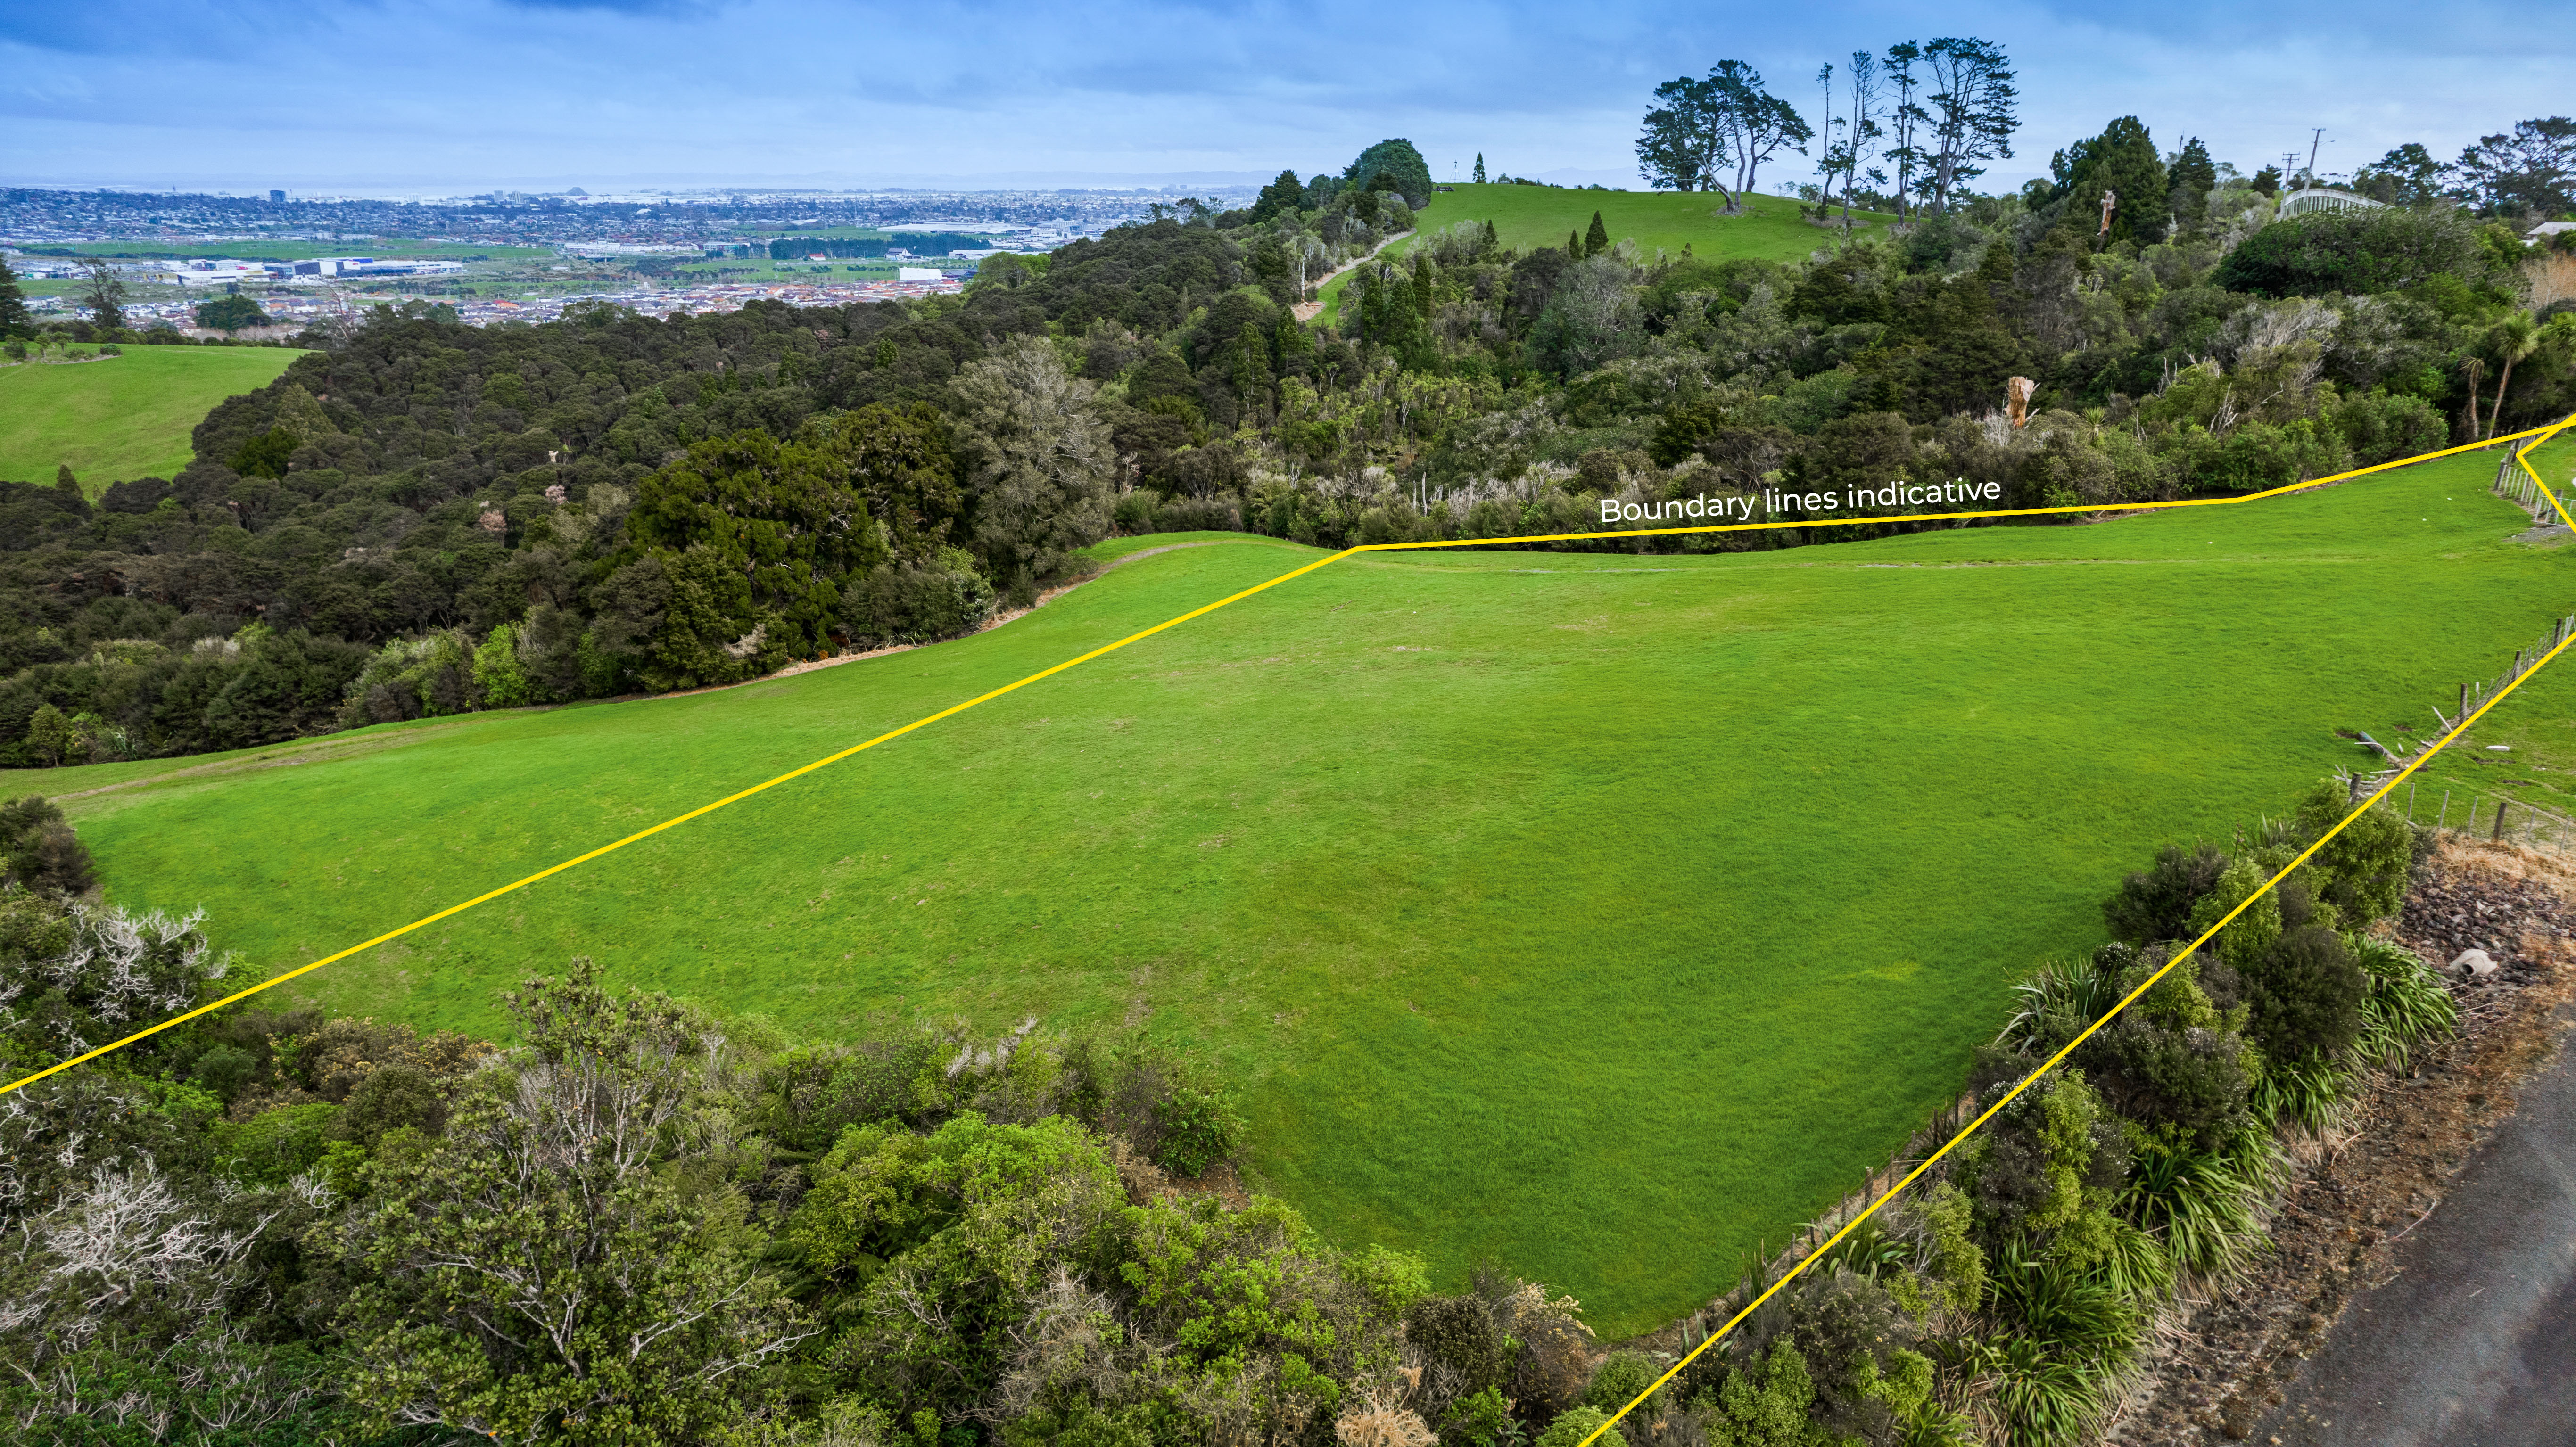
(2538, 434)
(2522, 456)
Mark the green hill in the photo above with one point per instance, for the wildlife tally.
(1605, 914)
(119, 418)
(1531, 216)
(1528, 216)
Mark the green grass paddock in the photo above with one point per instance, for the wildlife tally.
(1607, 915)
(120, 418)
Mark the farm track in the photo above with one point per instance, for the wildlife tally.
(1307, 311)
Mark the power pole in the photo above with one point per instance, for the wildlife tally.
(2315, 139)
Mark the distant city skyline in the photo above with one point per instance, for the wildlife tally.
(410, 98)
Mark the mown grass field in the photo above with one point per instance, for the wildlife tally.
(1606, 915)
(120, 418)
(1532, 216)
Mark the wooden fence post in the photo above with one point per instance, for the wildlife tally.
(2498, 836)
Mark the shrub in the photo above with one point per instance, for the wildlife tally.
(2382, 427)
(1952, 1271)
(2252, 932)
(225, 1069)
(1856, 1339)
(2306, 995)
(39, 852)
(1133, 515)
(1765, 1402)
(1569, 1429)
(944, 597)
(2156, 903)
(274, 1146)
(393, 1097)
(2047, 1161)
(2350, 252)
(1459, 1333)
(2362, 871)
(1481, 1419)
(1618, 1380)
(1199, 1127)
(1198, 514)
(499, 674)
(2178, 1056)
(429, 676)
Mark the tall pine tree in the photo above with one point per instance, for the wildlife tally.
(2122, 161)
(1480, 168)
(2191, 176)
(1574, 245)
(1597, 240)
(1285, 193)
(13, 304)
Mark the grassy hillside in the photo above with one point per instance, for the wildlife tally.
(124, 417)
(1531, 216)
(1605, 914)
(1527, 216)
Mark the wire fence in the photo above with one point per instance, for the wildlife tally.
(2488, 814)
(2482, 815)
(2515, 485)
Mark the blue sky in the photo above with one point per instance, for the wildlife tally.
(403, 97)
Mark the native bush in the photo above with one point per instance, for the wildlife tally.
(2351, 252)
(1618, 1380)
(1575, 1424)
(2406, 1004)
(73, 977)
(39, 852)
(1765, 1402)
(2245, 939)
(917, 602)
(2156, 903)
(2205, 1203)
(2362, 871)
(2306, 994)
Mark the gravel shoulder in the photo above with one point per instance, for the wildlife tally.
(2474, 1342)
(2352, 1319)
